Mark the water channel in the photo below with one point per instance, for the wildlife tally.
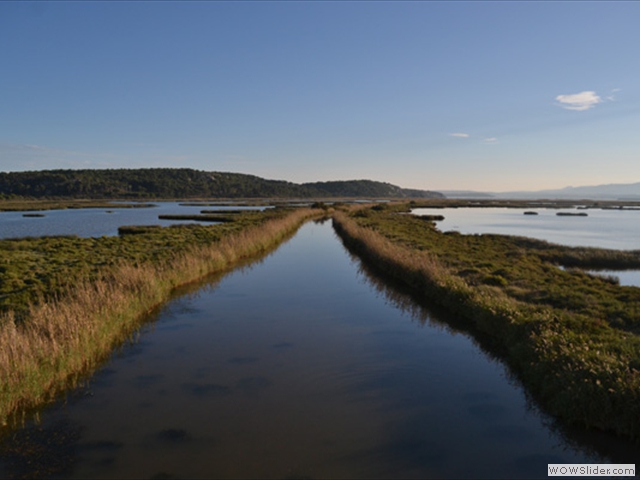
(301, 365)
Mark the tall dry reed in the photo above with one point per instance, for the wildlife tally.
(62, 340)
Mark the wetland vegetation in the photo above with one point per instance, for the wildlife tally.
(573, 338)
(26, 204)
(65, 301)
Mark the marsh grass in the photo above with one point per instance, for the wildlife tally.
(198, 218)
(23, 204)
(60, 337)
(223, 211)
(570, 337)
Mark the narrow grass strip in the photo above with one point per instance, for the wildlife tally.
(578, 368)
(62, 340)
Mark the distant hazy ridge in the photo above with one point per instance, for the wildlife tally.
(620, 191)
(185, 183)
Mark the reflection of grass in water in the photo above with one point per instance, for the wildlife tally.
(80, 298)
(571, 338)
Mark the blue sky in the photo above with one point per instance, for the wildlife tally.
(491, 96)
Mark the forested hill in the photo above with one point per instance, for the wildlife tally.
(183, 183)
(368, 188)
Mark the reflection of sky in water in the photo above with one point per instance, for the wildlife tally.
(601, 228)
(95, 222)
(300, 366)
(626, 277)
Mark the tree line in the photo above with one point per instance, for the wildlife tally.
(183, 183)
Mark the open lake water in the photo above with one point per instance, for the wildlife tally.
(301, 365)
(614, 229)
(96, 222)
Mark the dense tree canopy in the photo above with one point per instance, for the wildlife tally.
(183, 183)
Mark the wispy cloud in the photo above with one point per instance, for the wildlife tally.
(459, 135)
(611, 97)
(579, 101)
(490, 140)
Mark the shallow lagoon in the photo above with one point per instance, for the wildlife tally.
(616, 229)
(96, 222)
(302, 366)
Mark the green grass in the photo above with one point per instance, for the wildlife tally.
(67, 302)
(31, 268)
(573, 338)
(21, 205)
(198, 218)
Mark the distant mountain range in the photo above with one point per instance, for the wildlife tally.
(185, 183)
(620, 191)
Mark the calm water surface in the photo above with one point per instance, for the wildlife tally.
(96, 222)
(617, 229)
(629, 278)
(301, 366)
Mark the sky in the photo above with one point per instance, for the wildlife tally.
(486, 96)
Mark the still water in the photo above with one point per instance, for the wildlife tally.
(628, 278)
(301, 365)
(616, 229)
(96, 222)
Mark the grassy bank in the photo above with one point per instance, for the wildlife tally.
(92, 294)
(20, 204)
(571, 338)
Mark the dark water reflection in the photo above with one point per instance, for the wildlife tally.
(592, 443)
(302, 366)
